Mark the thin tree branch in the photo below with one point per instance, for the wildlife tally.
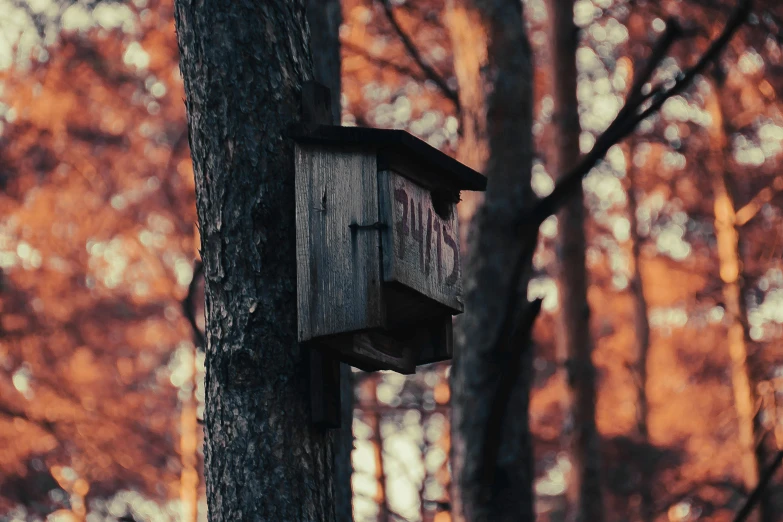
(45, 425)
(616, 131)
(758, 491)
(664, 505)
(764, 196)
(659, 52)
(383, 62)
(414, 53)
(711, 55)
(627, 119)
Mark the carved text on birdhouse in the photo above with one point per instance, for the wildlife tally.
(420, 245)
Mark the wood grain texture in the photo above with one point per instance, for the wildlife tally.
(420, 247)
(371, 350)
(337, 248)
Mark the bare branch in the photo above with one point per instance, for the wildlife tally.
(673, 31)
(758, 491)
(45, 425)
(753, 206)
(627, 119)
(675, 498)
(383, 62)
(414, 53)
(738, 18)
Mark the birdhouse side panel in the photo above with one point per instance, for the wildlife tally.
(337, 241)
(420, 245)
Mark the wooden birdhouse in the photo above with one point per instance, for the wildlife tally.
(377, 242)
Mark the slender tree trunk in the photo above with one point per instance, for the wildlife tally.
(443, 473)
(324, 18)
(499, 490)
(641, 348)
(188, 447)
(469, 48)
(574, 341)
(243, 64)
(370, 385)
(343, 467)
(753, 456)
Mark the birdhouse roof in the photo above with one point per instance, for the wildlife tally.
(397, 150)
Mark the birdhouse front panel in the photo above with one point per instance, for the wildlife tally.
(420, 244)
(337, 241)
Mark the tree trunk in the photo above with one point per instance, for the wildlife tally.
(188, 447)
(243, 64)
(497, 489)
(324, 18)
(574, 342)
(373, 419)
(469, 48)
(752, 458)
(641, 348)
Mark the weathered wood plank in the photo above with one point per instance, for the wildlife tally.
(338, 255)
(396, 149)
(420, 247)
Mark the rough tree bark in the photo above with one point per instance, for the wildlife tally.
(243, 64)
(744, 382)
(573, 341)
(497, 489)
(324, 18)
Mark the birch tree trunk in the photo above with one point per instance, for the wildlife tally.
(752, 458)
(574, 342)
(501, 489)
(243, 64)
